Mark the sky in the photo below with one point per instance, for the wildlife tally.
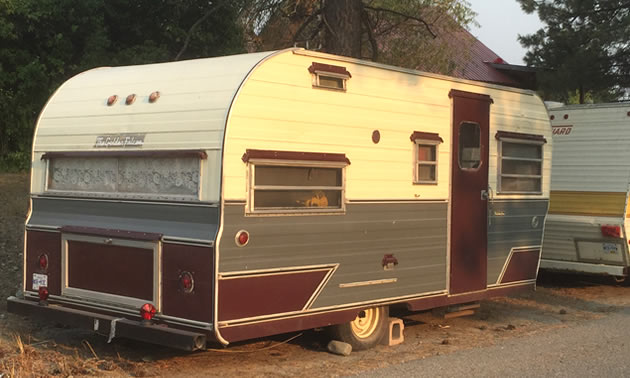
(500, 23)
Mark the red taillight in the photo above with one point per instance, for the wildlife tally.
(43, 261)
(242, 238)
(611, 231)
(43, 293)
(147, 311)
(186, 282)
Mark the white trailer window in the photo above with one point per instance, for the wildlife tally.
(295, 188)
(329, 76)
(426, 157)
(520, 164)
(143, 177)
(279, 183)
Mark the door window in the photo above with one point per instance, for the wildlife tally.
(469, 145)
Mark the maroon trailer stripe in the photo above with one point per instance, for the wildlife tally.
(276, 326)
(271, 293)
(522, 266)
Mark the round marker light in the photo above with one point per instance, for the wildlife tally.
(147, 311)
(112, 100)
(242, 238)
(130, 99)
(43, 293)
(154, 97)
(43, 261)
(186, 282)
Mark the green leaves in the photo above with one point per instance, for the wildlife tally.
(584, 48)
(45, 42)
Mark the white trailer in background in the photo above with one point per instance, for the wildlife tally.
(586, 229)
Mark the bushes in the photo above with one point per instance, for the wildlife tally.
(15, 161)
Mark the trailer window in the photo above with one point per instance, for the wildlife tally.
(469, 145)
(426, 157)
(426, 163)
(175, 178)
(281, 188)
(329, 76)
(520, 166)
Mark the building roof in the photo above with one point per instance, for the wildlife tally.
(475, 61)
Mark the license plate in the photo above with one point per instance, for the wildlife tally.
(39, 280)
(610, 248)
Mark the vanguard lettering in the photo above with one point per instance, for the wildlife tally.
(562, 130)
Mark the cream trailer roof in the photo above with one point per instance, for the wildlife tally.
(195, 97)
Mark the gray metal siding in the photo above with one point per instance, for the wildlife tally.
(510, 226)
(561, 236)
(415, 233)
(171, 220)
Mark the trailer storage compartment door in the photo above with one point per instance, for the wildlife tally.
(108, 269)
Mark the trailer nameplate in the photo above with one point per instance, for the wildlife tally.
(119, 140)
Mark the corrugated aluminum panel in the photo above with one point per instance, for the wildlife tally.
(591, 151)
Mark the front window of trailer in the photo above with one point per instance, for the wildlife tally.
(138, 177)
(520, 163)
(296, 188)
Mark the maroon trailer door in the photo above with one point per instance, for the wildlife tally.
(469, 192)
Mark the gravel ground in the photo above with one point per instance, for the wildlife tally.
(598, 348)
(27, 348)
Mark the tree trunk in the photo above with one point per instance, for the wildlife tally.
(342, 19)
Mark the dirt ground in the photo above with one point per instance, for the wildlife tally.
(29, 348)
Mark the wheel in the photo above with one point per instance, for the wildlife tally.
(366, 330)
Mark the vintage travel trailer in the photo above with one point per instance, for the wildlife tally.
(588, 210)
(230, 198)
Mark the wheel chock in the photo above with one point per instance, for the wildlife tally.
(394, 334)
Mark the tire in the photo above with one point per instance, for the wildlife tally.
(366, 330)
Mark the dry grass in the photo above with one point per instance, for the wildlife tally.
(33, 358)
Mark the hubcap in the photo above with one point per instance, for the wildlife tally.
(365, 323)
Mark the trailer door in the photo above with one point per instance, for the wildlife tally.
(469, 192)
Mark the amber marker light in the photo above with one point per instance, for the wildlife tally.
(154, 97)
(130, 99)
(111, 100)
(242, 238)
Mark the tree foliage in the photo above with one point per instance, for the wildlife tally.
(45, 42)
(584, 48)
(399, 32)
